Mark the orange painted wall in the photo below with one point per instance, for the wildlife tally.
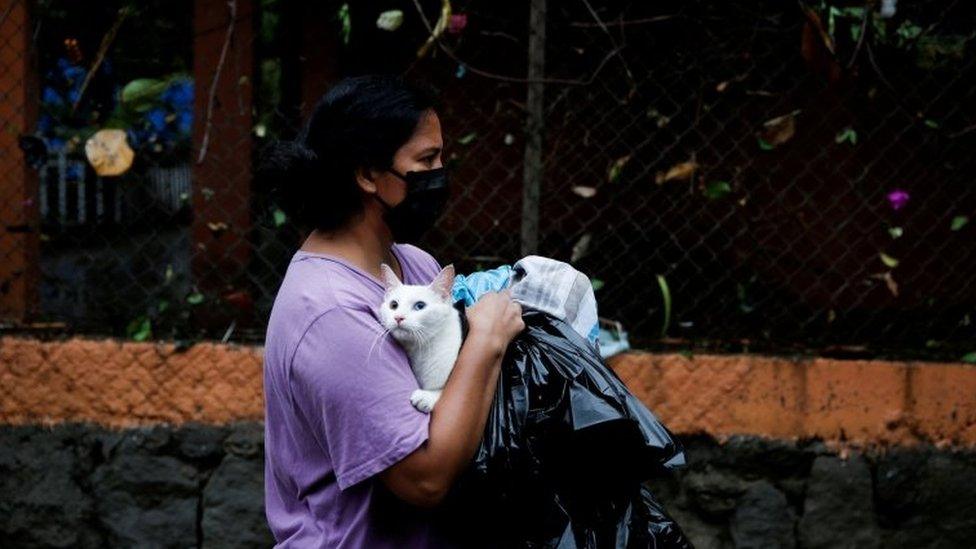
(123, 384)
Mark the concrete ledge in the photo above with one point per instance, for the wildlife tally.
(123, 384)
(856, 401)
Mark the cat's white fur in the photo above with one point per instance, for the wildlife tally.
(430, 335)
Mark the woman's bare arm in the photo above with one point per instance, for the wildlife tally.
(457, 422)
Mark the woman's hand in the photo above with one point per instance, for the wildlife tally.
(497, 318)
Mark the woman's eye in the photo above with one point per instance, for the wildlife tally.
(419, 305)
(394, 305)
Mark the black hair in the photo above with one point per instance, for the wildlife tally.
(359, 123)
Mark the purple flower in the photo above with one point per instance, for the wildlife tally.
(457, 22)
(898, 198)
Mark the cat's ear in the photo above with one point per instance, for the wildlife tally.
(390, 279)
(444, 282)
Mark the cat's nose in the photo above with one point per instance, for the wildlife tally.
(398, 319)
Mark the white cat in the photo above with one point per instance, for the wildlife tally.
(428, 327)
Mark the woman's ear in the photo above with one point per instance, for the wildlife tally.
(366, 180)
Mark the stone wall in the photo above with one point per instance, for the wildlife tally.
(122, 444)
(80, 485)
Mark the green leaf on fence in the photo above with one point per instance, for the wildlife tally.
(345, 22)
(666, 297)
(140, 329)
(616, 168)
(390, 20)
(279, 217)
(765, 145)
(847, 135)
(969, 357)
(468, 138)
(195, 298)
(138, 94)
(896, 232)
(889, 261)
(717, 189)
(959, 222)
(596, 283)
(931, 124)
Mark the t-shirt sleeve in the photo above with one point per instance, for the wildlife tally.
(353, 386)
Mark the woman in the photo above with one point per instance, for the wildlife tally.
(349, 461)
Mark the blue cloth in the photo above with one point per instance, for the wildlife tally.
(470, 287)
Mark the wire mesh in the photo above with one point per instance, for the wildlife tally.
(748, 174)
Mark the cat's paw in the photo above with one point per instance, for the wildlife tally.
(424, 400)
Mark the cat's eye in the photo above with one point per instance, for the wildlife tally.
(419, 305)
(394, 305)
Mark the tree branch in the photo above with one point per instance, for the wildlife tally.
(232, 6)
(505, 78)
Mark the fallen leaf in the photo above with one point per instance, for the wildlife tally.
(888, 280)
(217, 228)
(616, 168)
(585, 192)
(889, 261)
(779, 130)
(678, 172)
(581, 247)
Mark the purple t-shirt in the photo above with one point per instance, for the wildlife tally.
(337, 409)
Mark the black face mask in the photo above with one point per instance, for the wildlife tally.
(427, 194)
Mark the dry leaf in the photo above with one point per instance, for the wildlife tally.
(217, 228)
(109, 153)
(585, 192)
(779, 130)
(888, 280)
(581, 247)
(678, 172)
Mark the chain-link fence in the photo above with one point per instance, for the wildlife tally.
(750, 174)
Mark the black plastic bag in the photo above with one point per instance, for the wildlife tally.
(565, 451)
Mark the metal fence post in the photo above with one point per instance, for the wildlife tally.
(534, 126)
